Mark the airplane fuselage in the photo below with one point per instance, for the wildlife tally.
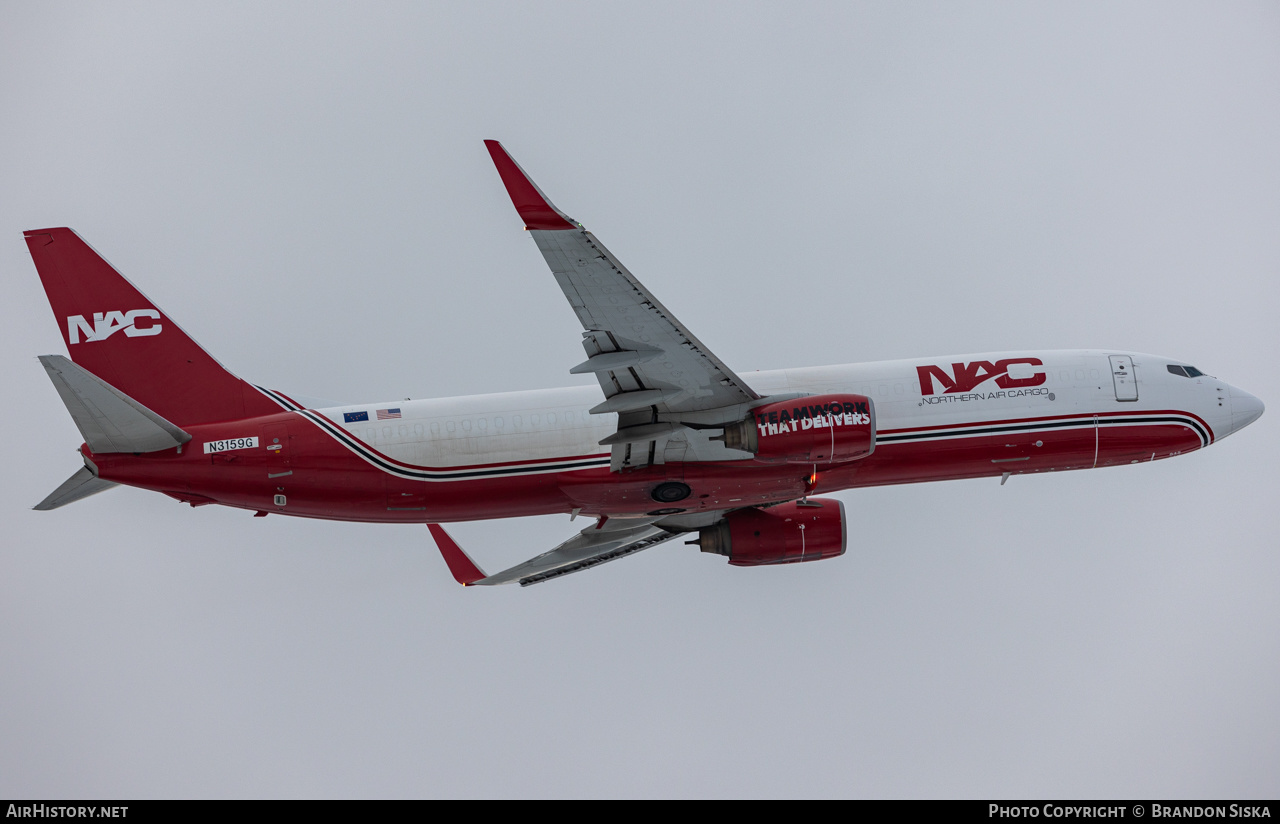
(670, 440)
(537, 452)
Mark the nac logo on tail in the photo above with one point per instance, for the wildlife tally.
(106, 324)
(1010, 373)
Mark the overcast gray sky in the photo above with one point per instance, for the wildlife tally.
(304, 188)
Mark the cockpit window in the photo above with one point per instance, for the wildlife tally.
(1192, 372)
(1184, 371)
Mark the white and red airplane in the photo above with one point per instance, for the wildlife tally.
(673, 442)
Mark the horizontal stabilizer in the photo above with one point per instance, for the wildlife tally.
(80, 485)
(109, 420)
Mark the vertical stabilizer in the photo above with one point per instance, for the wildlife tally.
(112, 330)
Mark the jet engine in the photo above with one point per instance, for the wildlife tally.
(784, 534)
(812, 430)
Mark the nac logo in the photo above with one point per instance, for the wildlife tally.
(1010, 373)
(106, 324)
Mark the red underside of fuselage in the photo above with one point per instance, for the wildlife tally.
(319, 477)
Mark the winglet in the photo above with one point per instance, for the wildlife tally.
(460, 564)
(535, 209)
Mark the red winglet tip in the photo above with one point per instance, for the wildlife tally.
(531, 204)
(460, 564)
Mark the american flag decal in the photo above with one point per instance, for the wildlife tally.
(388, 414)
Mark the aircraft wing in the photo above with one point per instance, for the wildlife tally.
(653, 370)
(597, 544)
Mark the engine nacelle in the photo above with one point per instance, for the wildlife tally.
(814, 430)
(783, 534)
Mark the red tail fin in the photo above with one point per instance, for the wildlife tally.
(112, 330)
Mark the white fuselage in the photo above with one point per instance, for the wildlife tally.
(548, 424)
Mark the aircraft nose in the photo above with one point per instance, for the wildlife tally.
(1245, 409)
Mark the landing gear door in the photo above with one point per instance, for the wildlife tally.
(1123, 378)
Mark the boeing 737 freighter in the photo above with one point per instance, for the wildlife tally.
(672, 443)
